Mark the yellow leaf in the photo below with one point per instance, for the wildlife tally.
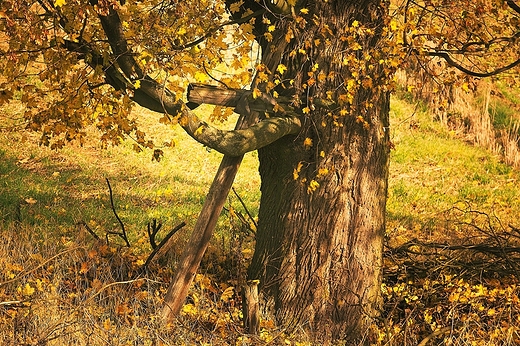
(351, 84)
(227, 294)
(304, 10)
(107, 324)
(200, 76)
(190, 309)
(84, 268)
(289, 35)
(123, 309)
(307, 143)
(355, 24)
(313, 185)
(465, 87)
(322, 76)
(59, 3)
(27, 290)
(199, 130)
(322, 172)
(271, 28)
(256, 93)
(297, 170)
(281, 68)
(393, 25)
(235, 7)
(137, 84)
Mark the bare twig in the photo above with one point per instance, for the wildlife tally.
(161, 245)
(152, 229)
(245, 208)
(89, 230)
(121, 234)
(12, 303)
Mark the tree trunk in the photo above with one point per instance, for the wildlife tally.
(318, 253)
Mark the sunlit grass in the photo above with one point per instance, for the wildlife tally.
(69, 186)
(432, 170)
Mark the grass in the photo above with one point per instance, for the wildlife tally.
(58, 285)
(69, 186)
(432, 170)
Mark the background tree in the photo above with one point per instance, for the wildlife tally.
(325, 77)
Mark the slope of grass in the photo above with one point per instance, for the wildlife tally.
(445, 194)
(432, 170)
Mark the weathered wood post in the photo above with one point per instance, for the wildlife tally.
(215, 198)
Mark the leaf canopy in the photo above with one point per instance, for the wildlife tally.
(73, 64)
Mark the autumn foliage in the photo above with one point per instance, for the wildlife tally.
(322, 73)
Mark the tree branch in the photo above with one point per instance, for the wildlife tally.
(121, 234)
(453, 63)
(239, 142)
(512, 5)
(217, 28)
(161, 245)
(125, 71)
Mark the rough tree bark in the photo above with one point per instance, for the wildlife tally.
(318, 253)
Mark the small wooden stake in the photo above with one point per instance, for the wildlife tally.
(251, 307)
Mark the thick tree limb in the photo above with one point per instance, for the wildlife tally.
(233, 143)
(239, 142)
(512, 4)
